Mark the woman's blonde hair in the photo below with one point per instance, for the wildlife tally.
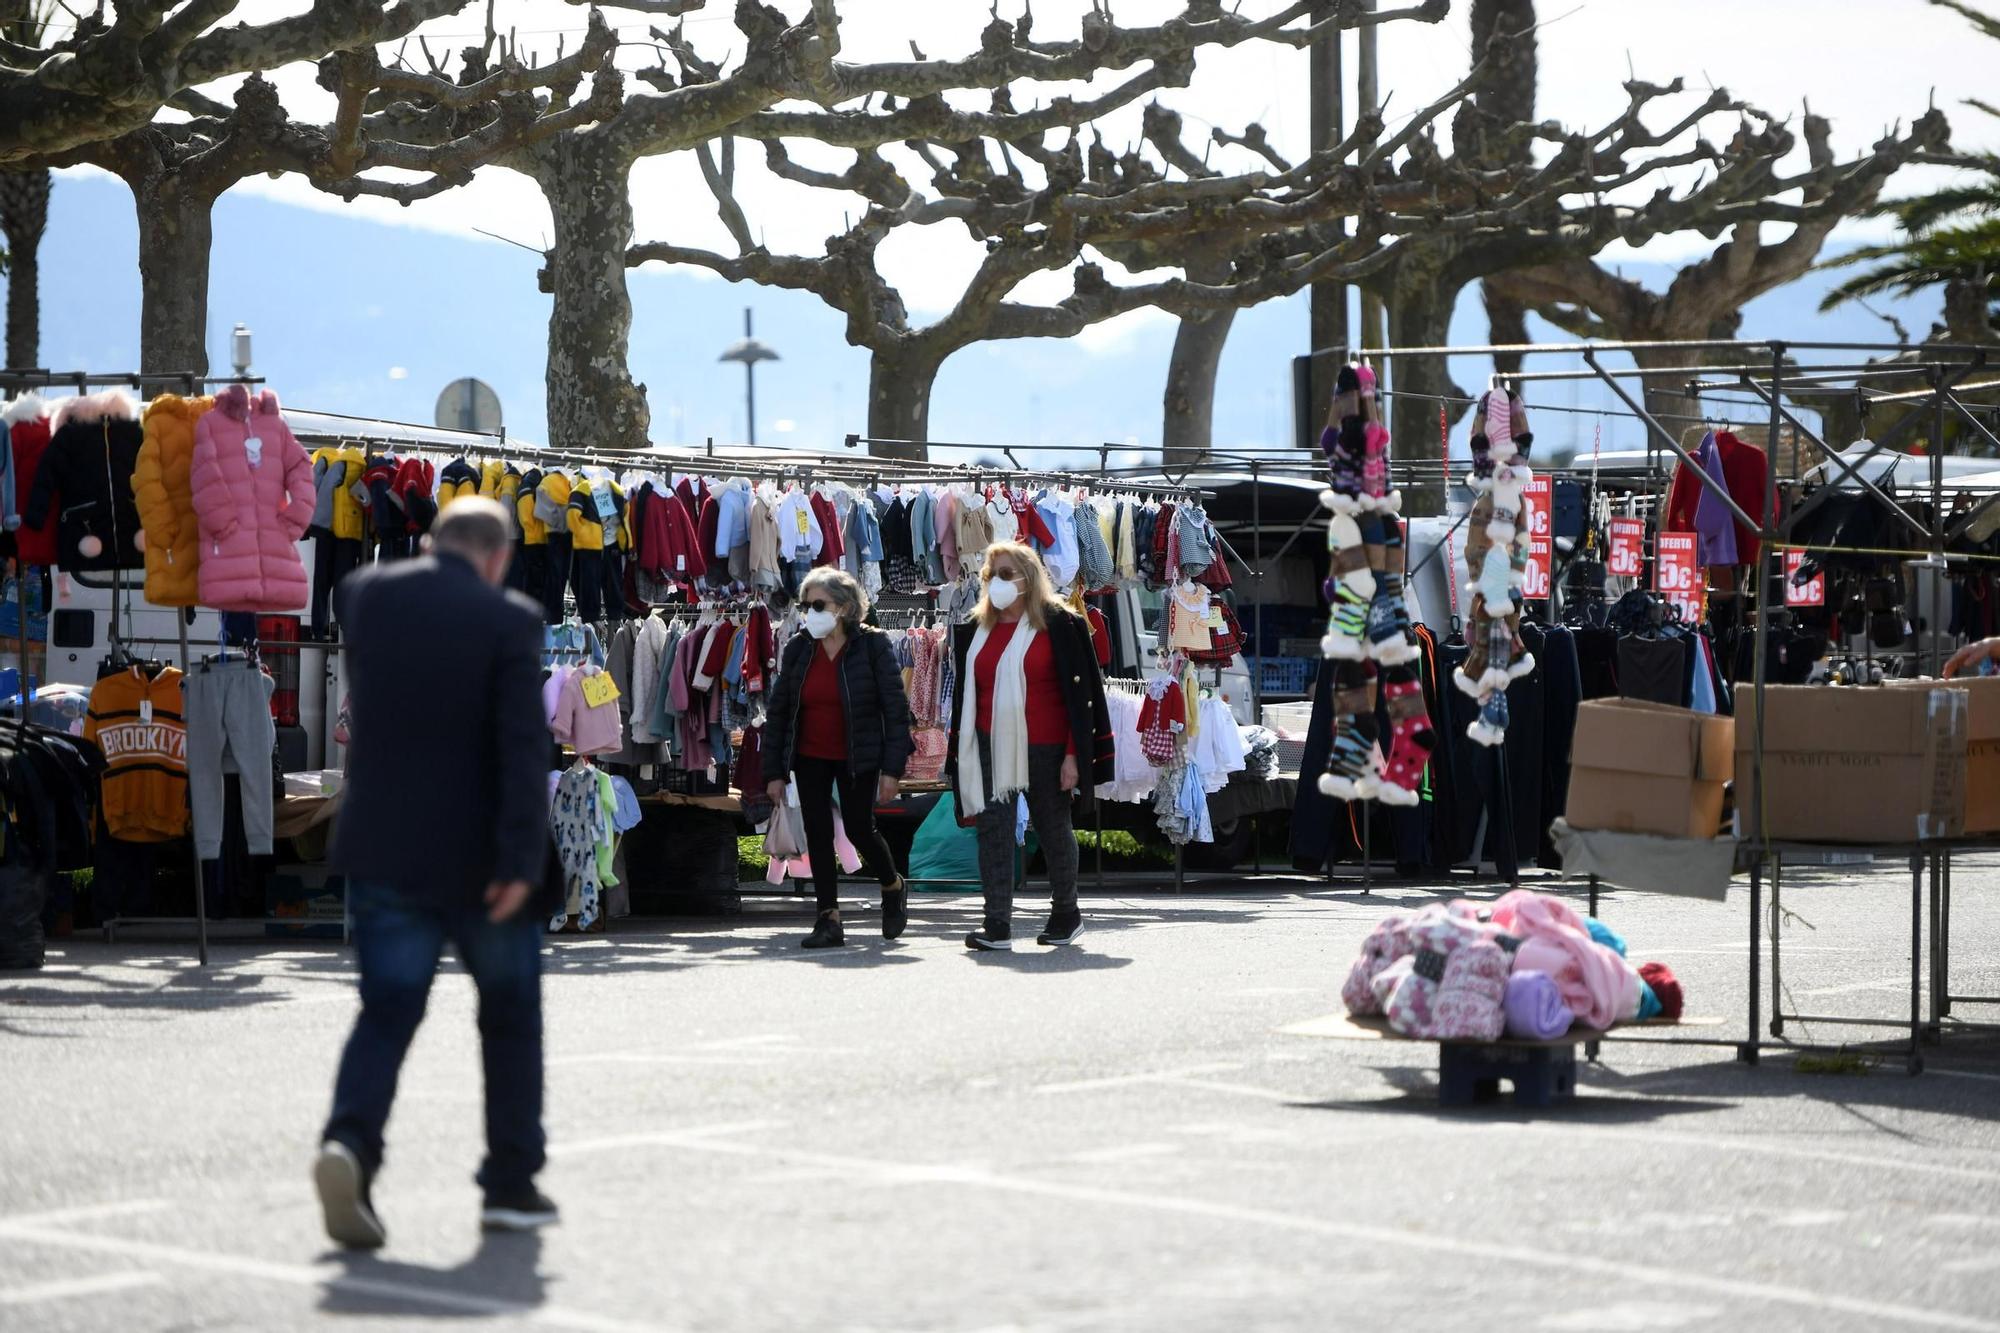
(1036, 591)
(846, 590)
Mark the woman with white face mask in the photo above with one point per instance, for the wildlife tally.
(1030, 718)
(837, 720)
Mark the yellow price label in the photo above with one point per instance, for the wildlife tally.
(599, 689)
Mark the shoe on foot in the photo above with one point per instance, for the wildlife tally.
(826, 932)
(343, 1198)
(991, 940)
(1063, 928)
(895, 909)
(528, 1210)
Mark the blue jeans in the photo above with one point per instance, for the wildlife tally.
(398, 941)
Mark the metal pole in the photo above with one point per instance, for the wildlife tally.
(194, 849)
(1328, 314)
(749, 388)
(1257, 594)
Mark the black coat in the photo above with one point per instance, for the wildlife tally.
(1082, 695)
(85, 480)
(878, 712)
(447, 776)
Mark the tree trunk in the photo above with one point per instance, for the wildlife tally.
(175, 234)
(1187, 425)
(1420, 298)
(24, 213)
(899, 401)
(592, 400)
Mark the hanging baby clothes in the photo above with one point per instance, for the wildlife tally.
(1133, 773)
(1187, 618)
(1162, 718)
(576, 819)
(580, 724)
(1219, 749)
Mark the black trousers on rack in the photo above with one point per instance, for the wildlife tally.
(334, 558)
(586, 574)
(555, 577)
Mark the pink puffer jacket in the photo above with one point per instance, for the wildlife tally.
(253, 497)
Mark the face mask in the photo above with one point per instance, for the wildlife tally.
(1003, 593)
(819, 624)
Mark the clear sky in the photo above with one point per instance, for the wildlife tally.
(372, 308)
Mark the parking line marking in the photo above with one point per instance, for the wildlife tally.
(658, 1138)
(102, 1285)
(324, 1276)
(1127, 1080)
(90, 1212)
(1491, 1251)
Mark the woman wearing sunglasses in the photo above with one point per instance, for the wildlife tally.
(1031, 718)
(837, 720)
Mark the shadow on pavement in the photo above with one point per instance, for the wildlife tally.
(505, 1269)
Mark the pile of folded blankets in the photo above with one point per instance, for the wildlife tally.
(1527, 967)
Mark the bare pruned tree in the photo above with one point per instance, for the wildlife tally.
(791, 84)
(431, 129)
(65, 88)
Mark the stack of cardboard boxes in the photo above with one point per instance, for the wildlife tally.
(1904, 763)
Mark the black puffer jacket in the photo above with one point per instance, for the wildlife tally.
(85, 480)
(878, 712)
(1082, 697)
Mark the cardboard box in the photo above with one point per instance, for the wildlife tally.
(1648, 768)
(1982, 747)
(1854, 764)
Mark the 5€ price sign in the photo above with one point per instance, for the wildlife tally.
(1628, 548)
(1535, 522)
(1676, 576)
(1812, 592)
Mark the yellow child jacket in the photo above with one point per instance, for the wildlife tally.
(165, 499)
(348, 518)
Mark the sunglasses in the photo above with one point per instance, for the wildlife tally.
(820, 604)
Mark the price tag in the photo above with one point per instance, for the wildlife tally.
(1535, 504)
(1215, 618)
(805, 526)
(1535, 576)
(146, 711)
(1676, 576)
(599, 689)
(1812, 592)
(1628, 548)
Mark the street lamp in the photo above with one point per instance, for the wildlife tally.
(750, 352)
(239, 350)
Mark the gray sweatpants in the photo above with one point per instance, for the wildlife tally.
(229, 714)
(1048, 812)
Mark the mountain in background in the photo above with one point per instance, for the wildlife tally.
(352, 316)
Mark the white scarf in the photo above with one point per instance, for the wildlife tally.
(1010, 722)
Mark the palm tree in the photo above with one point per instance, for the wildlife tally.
(24, 211)
(1951, 237)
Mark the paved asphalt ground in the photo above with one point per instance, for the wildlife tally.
(1118, 1136)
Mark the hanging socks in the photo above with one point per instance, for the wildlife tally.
(1351, 769)
(1353, 587)
(1490, 727)
(1390, 640)
(1468, 675)
(1411, 739)
(1496, 576)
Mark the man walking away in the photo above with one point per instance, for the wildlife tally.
(441, 837)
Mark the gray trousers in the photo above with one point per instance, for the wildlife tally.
(229, 715)
(1048, 811)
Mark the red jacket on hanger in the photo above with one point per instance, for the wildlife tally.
(671, 543)
(1748, 472)
(829, 526)
(27, 421)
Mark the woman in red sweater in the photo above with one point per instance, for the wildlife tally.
(1031, 718)
(837, 721)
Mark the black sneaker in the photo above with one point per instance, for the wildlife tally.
(343, 1198)
(991, 940)
(895, 909)
(1065, 924)
(529, 1210)
(826, 933)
